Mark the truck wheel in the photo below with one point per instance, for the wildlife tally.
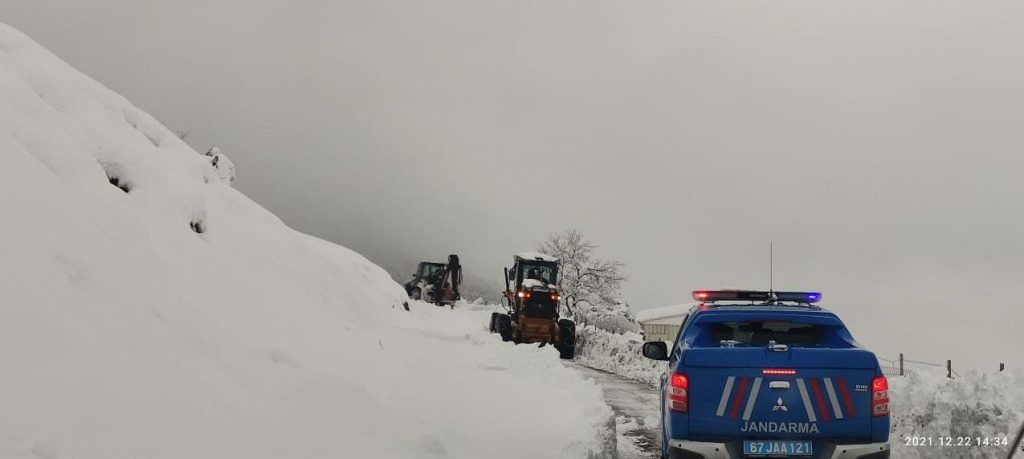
(567, 339)
(416, 294)
(490, 325)
(503, 325)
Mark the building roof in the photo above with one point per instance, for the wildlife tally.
(675, 310)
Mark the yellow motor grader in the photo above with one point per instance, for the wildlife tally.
(531, 301)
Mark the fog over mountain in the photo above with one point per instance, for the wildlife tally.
(877, 143)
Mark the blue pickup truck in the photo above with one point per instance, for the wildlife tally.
(769, 374)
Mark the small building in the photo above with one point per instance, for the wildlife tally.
(662, 324)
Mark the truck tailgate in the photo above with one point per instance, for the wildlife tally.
(803, 394)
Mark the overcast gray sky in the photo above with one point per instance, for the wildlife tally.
(877, 142)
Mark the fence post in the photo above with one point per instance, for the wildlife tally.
(949, 369)
(901, 364)
(1002, 366)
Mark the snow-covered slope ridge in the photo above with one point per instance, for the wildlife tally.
(149, 310)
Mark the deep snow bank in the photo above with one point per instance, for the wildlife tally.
(149, 310)
(612, 317)
(927, 404)
(616, 353)
(489, 393)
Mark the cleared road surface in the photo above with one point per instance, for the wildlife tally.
(636, 412)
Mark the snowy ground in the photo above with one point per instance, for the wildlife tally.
(487, 389)
(148, 309)
(977, 404)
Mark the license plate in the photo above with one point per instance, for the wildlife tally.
(776, 448)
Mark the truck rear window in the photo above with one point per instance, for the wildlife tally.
(759, 333)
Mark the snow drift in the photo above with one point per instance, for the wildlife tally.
(612, 317)
(148, 309)
(617, 353)
(927, 404)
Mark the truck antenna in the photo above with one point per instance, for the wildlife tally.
(771, 267)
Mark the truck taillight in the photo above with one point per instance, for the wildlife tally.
(524, 294)
(880, 396)
(678, 399)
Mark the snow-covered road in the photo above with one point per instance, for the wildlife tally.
(636, 412)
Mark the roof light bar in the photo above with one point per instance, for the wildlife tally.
(711, 296)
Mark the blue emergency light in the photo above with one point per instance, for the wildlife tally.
(711, 296)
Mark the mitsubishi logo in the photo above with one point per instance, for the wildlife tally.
(779, 406)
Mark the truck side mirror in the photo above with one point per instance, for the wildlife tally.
(655, 350)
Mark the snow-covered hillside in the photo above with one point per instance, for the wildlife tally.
(148, 309)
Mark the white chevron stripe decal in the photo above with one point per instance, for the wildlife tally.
(807, 400)
(725, 396)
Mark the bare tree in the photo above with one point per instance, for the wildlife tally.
(585, 278)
